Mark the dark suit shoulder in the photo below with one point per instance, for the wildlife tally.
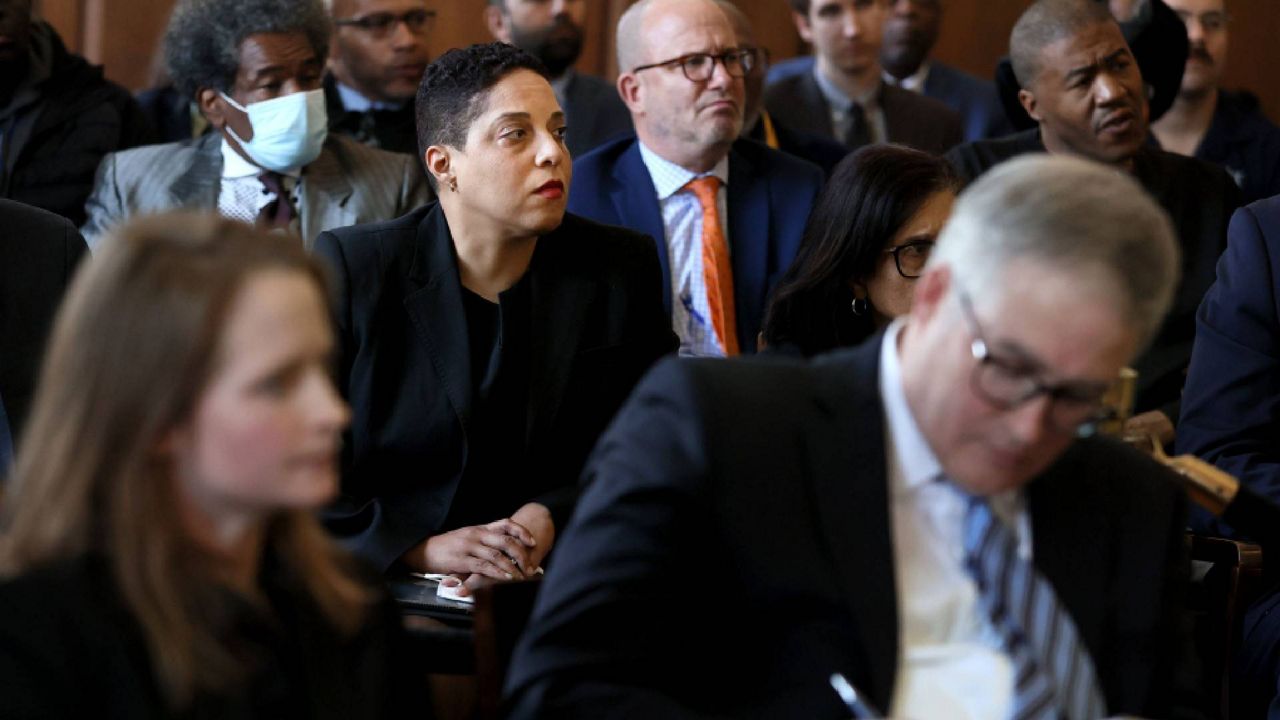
(776, 164)
(920, 121)
(1126, 478)
(602, 159)
(32, 224)
(972, 160)
(584, 237)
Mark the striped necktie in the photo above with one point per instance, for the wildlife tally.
(1054, 675)
(717, 271)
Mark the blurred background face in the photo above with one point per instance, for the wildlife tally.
(1089, 97)
(1206, 22)
(550, 30)
(910, 30)
(383, 58)
(674, 115)
(986, 449)
(265, 432)
(845, 34)
(889, 290)
(513, 175)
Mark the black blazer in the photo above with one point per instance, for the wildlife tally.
(910, 118)
(70, 648)
(597, 325)
(39, 252)
(733, 550)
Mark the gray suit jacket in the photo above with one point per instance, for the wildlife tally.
(348, 184)
(910, 119)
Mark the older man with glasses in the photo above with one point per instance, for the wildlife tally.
(377, 54)
(728, 214)
(910, 528)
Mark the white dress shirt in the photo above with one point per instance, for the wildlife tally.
(241, 195)
(682, 224)
(951, 659)
(913, 82)
(839, 104)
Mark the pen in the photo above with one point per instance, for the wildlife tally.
(851, 697)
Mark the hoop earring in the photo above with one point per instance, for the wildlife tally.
(860, 306)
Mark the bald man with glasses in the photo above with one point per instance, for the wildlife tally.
(727, 213)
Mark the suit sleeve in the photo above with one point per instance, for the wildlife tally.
(603, 636)
(105, 208)
(1231, 404)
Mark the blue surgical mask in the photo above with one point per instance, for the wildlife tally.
(288, 131)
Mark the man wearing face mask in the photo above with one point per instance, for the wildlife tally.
(254, 69)
(551, 30)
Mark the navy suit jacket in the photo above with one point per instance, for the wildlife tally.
(733, 549)
(770, 194)
(1231, 402)
(974, 98)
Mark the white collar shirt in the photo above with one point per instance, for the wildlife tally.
(241, 195)
(840, 104)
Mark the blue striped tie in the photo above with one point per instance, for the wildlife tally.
(1054, 675)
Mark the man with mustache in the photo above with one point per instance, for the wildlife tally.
(1082, 86)
(377, 55)
(727, 213)
(551, 30)
(1222, 127)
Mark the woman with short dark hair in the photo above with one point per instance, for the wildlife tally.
(160, 555)
(867, 239)
(487, 339)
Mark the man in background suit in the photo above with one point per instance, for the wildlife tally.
(39, 252)
(729, 214)
(1081, 84)
(376, 58)
(551, 30)
(916, 514)
(845, 97)
(271, 159)
(756, 121)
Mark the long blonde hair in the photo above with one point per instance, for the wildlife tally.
(131, 351)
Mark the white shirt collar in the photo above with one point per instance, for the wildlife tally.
(910, 449)
(354, 101)
(669, 178)
(235, 166)
(913, 82)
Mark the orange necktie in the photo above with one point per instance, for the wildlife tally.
(717, 272)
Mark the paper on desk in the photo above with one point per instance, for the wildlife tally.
(451, 593)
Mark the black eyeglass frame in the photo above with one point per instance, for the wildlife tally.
(384, 23)
(896, 252)
(746, 62)
(1080, 421)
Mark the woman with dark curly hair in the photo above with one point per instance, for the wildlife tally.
(160, 556)
(867, 239)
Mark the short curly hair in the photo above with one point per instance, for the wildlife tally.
(202, 42)
(455, 87)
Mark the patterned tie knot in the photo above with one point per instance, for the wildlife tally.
(705, 188)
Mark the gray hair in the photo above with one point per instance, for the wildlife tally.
(1044, 23)
(1073, 215)
(202, 42)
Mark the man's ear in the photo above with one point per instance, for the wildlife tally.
(930, 292)
(212, 106)
(629, 91)
(1028, 101)
(498, 23)
(802, 26)
(439, 164)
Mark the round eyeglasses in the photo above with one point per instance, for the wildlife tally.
(910, 257)
(699, 67)
(382, 24)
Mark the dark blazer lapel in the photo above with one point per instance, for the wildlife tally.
(197, 186)
(433, 302)
(560, 301)
(851, 495)
(748, 206)
(1069, 539)
(813, 109)
(636, 201)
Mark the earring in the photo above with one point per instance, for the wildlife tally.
(453, 184)
(860, 306)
